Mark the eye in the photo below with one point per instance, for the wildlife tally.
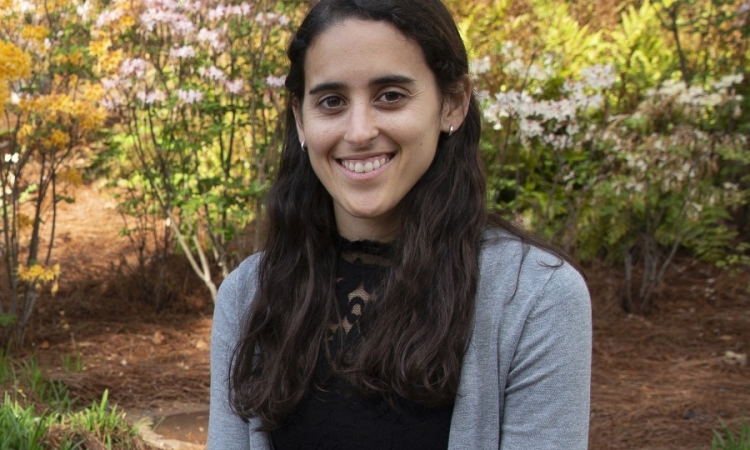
(331, 102)
(391, 97)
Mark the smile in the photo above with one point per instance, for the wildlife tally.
(365, 165)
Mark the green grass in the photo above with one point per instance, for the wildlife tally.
(20, 427)
(726, 439)
(72, 363)
(40, 414)
(6, 369)
(50, 392)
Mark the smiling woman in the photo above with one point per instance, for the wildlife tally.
(388, 309)
(371, 118)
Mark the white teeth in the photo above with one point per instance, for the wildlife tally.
(369, 166)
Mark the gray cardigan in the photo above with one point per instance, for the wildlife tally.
(525, 381)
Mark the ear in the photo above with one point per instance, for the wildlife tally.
(298, 119)
(456, 105)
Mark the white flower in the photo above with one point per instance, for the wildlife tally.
(600, 76)
(510, 50)
(176, 22)
(670, 88)
(24, 6)
(189, 96)
(530, 128)
(727, 81)
(107, 17)
(110, 104)
(212, 37)
(216, 13)
(711, 100)
(213, 73)
(184, 52)
(515, 67)
(275, 82)
(133, 67)
(110, 83)
(235, 86)
(480, 66)
(267, 18)
(84, 10)
(151, 98)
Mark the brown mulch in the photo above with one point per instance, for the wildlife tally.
(663, 380)
(660, 381)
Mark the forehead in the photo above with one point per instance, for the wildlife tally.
(354, 50)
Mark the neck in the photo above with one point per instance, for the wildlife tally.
(379, 230)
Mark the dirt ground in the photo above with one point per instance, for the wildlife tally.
(660, 381)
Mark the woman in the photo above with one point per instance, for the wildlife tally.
(388, 310)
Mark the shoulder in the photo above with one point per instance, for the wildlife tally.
(501, 248)
(238, 288)
(519, 271)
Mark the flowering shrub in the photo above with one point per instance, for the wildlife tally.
(196, 85)
(593, 142)
(50, 112)
(662, 182)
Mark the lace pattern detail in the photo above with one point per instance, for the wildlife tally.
(361, 268)
(332, 415)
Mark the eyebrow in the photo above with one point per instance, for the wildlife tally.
(380, 81)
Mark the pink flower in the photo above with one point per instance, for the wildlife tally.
(212, 37)
(275, 82)
(107, 17)
(213, 73)
(189, 96)
(133, 67)
(235, 86)
(184, 52)
(216, 13)
(151, 98)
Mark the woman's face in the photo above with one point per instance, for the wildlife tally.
(371, 117)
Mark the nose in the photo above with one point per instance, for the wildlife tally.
(362, 127)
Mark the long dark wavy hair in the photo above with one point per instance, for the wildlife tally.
(416, 332)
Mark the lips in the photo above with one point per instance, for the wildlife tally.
(365, 165)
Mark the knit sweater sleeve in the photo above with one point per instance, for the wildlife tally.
(547, 391)
(225, 429)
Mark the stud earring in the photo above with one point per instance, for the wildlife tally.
(450, 130)
(302, 143)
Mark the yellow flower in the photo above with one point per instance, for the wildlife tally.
(35, 33)
(75, 58)
(73, 177)
(111, 61)
(4, 94)
(57, 139)
(125, 23)
(14, 63)
(23, 221)
(25, 132)
(99, 48)
(36, 273)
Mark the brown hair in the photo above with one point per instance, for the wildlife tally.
(416, 332)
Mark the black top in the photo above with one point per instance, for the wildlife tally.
(336, 416)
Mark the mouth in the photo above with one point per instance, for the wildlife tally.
(365, 165)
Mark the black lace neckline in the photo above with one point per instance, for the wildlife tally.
(333, 414)
(367, 247)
